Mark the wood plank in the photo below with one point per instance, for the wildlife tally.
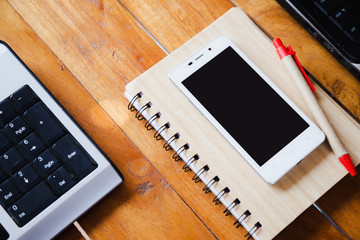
(145, 201)
(269, 12)
(174, 22)
(276, 22)
(105, 49)
(341, 202)
(201, 136)
(310, 225)
(18, 34)
(176, 44)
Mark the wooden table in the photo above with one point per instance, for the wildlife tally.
(85, 52)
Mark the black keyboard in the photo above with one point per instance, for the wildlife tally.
(51, 172)
(39, 159)
(344, 15)
(335, 23)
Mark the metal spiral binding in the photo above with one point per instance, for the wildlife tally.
(153, 118)
(197, 175)
(227, 211)
(242, 218)
(206, 189)
(167, 146)
(253, 230)
(158, 132)
(176, 155)
(139, 115)
(133, 100)
(186, 166)
(217, 198)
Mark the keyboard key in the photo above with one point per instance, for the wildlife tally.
(354, 32)
(4, 143)
(8, 193)
(328, 6)
(6, 113)
(11, 161)
(23, 99)
(2, 176)
(44, 123)
(31, 146)
(26, 178)
(46, 163)
(39, 159)
(346, 15)
(31, 204)
(73, 157)
(61, 180)
(17, 129)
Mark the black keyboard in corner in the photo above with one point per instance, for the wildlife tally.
(335, 23)
(39, 159)
(48, 166)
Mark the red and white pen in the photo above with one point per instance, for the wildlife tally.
(292, 64)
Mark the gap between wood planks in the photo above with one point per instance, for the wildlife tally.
(165, 50)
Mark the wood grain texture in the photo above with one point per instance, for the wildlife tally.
(108, 49)
(114, 91)
(294, 192)
(342, 203)
(18, 34)
(173, 22)
(310, 225)
(84, 40)
(129, 210)
(276, 22)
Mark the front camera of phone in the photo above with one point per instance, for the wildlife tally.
(190, 63)
(209, 49)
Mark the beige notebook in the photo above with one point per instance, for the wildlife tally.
(272, 207)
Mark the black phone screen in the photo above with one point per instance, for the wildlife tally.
(245, 105)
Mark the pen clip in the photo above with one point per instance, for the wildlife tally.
(285, 51)
(303, 72)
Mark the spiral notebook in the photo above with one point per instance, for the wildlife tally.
(262, 209)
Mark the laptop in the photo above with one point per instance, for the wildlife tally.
(51, 172)
(335, 23)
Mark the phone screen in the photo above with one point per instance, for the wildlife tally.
(245, 105)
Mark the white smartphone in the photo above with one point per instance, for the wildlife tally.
(248, 109)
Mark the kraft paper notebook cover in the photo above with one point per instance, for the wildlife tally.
(272, 206)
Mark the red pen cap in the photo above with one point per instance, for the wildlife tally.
(346, 161)
(283, 51)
